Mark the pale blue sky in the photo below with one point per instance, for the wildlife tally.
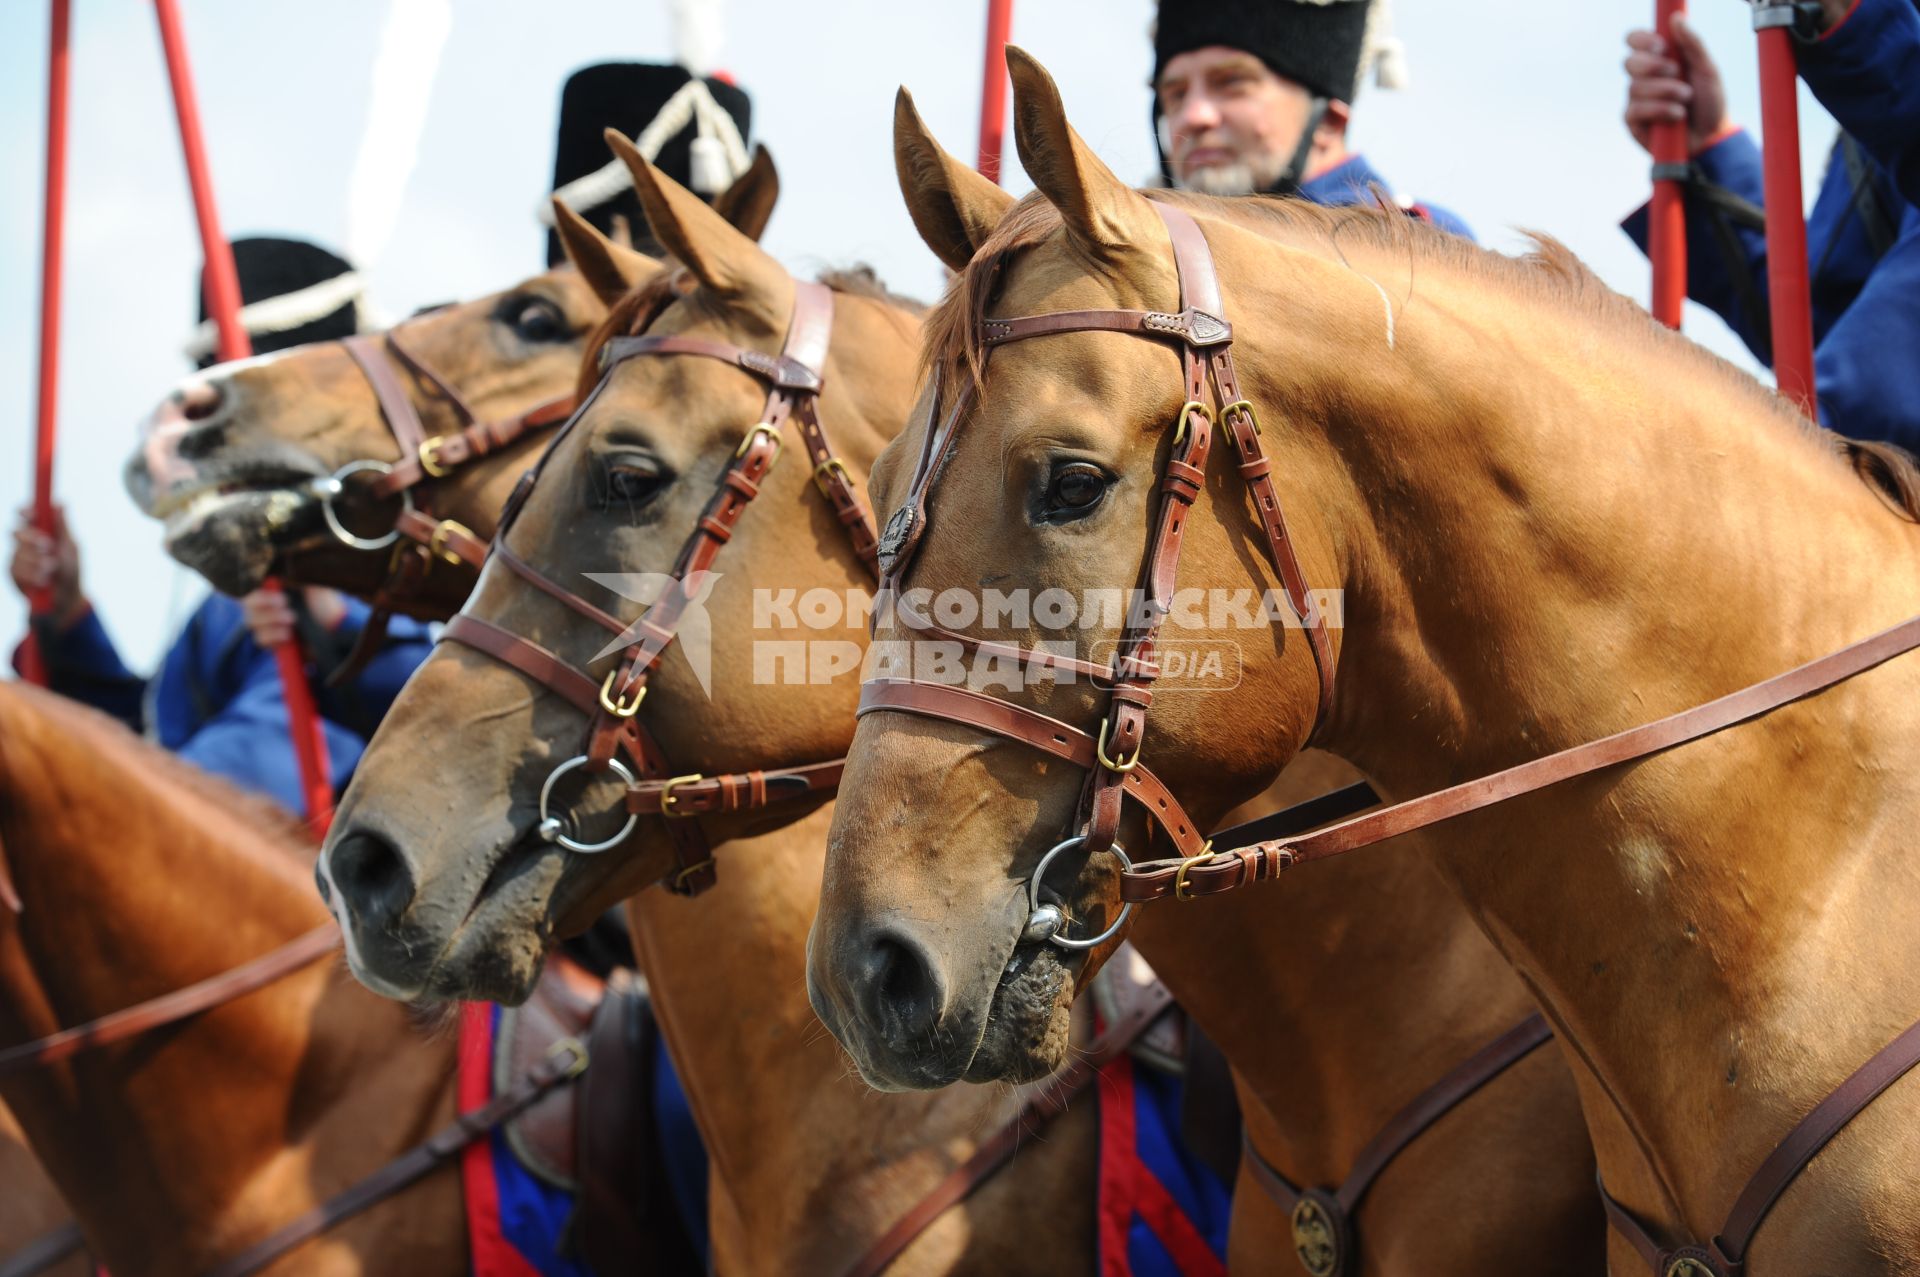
(1512, 120)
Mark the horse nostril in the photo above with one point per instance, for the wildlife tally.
(200, 399)
(373, 881)
(904, 990)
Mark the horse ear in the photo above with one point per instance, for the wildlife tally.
(953, 207)
(609, 269)
(1104, 215)
(719, 256)
(749, 202)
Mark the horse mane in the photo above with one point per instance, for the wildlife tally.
(1550, 275)
(642, 305)
(46, 725)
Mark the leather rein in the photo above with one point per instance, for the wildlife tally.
(1248, 855)
(612, 703)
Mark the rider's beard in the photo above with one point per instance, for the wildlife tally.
(1246, 176)
(1221, 179)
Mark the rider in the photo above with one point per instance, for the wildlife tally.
(216, 699)
(1861, 58)
(1255, 97)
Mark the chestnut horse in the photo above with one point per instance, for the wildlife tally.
(1541, 541)
(139, 876)
(788, 545)
(807, 1170)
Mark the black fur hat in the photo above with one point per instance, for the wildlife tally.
(673, 121)
(291, 293)
(1315, 43)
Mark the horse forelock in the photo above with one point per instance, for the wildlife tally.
(1550, 275)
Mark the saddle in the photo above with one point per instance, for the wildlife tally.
(597, 1138)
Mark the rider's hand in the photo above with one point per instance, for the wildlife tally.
(49, 561)
(269, 617)
(1671, 82)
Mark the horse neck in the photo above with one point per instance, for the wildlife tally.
(1372, 982)
(1607, 531)
(135, 897)
(810, 1166)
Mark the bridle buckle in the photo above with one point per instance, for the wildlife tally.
(668, 797)
(768, 429)
(1181, 891)
(1242, 405)
(430, 457)
(827, 467)
(1122, 765)
(437, 543)
(620, 707)
(1187, 410)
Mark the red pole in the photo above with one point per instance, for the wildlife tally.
(52, 222)
(1667, 224)
(1787, 275)
(993, 88)
(223, 303)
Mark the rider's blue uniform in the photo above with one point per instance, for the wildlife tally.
(216, 700)
(1863, 238)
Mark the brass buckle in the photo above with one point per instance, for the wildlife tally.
(827, 467)
(1188, 409)
(620, 708)
(1181, 891)
(430, 457)
(680, 879)
(1242, 405)
(772, 432)
(437, 543)
(667, 795)
(577, 1049)
(1100, 752)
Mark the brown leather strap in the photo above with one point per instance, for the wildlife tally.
(369, 351)
(737, 791)
(536, 662)
(43, 1252)
(173, 1007)
(1262, 861)
(1004, 718)
(567, 1062)
(1052, 1100)
(1727, 1252)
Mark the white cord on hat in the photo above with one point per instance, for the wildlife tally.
(285, 312)
(719, 162)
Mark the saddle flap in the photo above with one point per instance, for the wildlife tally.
(1122, 985)
(543, 1138)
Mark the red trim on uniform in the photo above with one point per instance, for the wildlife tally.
(491, 1254)
(1843, 22)
(1128, 1187)
(1120, 1169)
(1422, 212)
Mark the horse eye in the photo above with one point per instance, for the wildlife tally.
(630, 482)
(1075, 490)
(535, 319)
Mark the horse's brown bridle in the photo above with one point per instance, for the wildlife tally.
(424, 459)
(612, 703)
(1111, 756)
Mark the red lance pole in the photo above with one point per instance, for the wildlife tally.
(52, 220)
(993, 88)
(1667, 220)
(1788, 286)
(223, 303)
